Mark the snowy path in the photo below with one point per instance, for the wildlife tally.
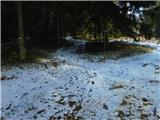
(127, 88)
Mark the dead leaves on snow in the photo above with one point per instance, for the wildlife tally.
(157, 67)
(7, 78)
(133, 107)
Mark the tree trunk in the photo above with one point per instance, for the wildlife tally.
(22, 49)
(103, 34)
(95, 37)
(46, 31)
(62, 25)
(58, 23)
(106, 41)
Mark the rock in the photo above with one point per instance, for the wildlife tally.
(144, 65)
(105, 106)
(92, 82)
(154, 81)
(116, 86)
(144, 100)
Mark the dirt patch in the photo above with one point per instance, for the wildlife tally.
(11, 56)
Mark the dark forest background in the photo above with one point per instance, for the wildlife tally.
(48, 23)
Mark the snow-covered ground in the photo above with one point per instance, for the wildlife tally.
(76, 88)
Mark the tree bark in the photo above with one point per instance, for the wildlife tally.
(22, 49)
(103, 34)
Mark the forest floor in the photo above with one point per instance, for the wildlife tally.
(71, 86)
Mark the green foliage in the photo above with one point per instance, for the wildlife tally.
(51, 21)
(156, 20)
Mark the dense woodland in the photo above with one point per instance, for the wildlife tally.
(43, 23)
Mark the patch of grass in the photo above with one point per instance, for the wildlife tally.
(117, 51)
(11, 56)
(35, 56)
(127, 52)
